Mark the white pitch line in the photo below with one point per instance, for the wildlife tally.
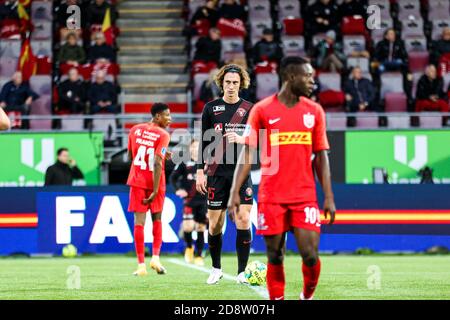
(262, 292)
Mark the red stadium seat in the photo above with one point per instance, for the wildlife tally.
(44, 65)
(353, 25)
(202, 27)
(418, 61)
(395, 102)
(199, 66)
(9, 29)
(293, 26)
(266, 67)
(231, 28)
(331, 100)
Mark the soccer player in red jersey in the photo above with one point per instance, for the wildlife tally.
(5, 124)
(291, 129)
(147, 147)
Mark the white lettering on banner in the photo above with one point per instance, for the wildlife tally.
(66, 219)
(111, 222)
(168, 234)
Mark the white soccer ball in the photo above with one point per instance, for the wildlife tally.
(256, 272)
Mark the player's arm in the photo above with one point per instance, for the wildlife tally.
(5, 123)
(322, 168)
(200, 183)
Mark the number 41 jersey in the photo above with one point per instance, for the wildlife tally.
(146, 141)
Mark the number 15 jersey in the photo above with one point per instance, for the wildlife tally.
(145, 142)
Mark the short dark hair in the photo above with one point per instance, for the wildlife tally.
(287, 62)
(61, 150)
(158, 108)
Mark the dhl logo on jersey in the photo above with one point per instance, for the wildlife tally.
(293, 137)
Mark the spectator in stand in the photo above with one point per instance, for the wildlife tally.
(100, 50)
(209, 90)
(8, 10)
(72, 94)
(64, 171)
(440, 47)
(62, 17)
(96, 12)
(329, 54)
(323, 16)
(230, 9)
(352, 8)
(102, 95)
(208, 11)
(359, 92)
(267, 49)
(209, 48)
(71, 52)
(16, 95)
(390, 53)
(430, 95)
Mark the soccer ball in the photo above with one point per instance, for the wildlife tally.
(69, 251)
(256, 272)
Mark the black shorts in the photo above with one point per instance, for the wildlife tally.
(196, 212)
(219, 192)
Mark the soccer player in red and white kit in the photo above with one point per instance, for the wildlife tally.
(147, 147)
(291, 129)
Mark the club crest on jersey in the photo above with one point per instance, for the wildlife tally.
(218, 127)
(308, 120)
(218, 108)
(249, 192)
(241, 112)
(138, 132)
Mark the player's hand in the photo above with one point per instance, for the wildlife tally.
(72, 163)
(233, 137)
(200, 183)
(149, 199)
(233, 205)
(329, 208)
(181, 193)
(168, 155)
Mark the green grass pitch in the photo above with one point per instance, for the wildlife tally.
(109, 277)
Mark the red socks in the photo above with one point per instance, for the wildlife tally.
(157, 237)
(310, 279)
(275, 281)
(139, 242)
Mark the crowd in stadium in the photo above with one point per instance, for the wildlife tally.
(400, 63)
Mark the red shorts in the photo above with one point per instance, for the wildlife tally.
(139, 194)
(277, 218)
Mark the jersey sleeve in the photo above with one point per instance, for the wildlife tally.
(320, 140)
(163, 143)
(254, 124)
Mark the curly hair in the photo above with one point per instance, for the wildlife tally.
(243, 74)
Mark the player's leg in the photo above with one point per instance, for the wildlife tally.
(308, 246)
(188, 227)
(156, 209)
(243, 232)
(276, 247)
(140, 210)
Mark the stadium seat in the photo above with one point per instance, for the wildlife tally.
(199, 78)
(257, 26)
(415, 44)
(363, 63)
(288, 8)
(367, 120)
(293, 26)
(231, 28)
(259, 9)
(44, 66)
(8, 66)
(202, 27)
(438, 9)
(41, 84)
(10, 48)
(353, 43)
(398, 121)
(408, 8)
(41, 106)
(41, 10)
(42, 30)
(69, 123)
(266, 85)
(438, 26)
(232, 45)
(42, 48)
(391, 82)
(332, 100)
(353, 25)
(330, 81)
(430, 120)
(395, 102)
(107, 126)
(418, 61)
(412, 28)
(384, 5)
(293, 45)
(336, 121)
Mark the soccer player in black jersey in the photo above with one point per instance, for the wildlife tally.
(223, 127)
(194, 213)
